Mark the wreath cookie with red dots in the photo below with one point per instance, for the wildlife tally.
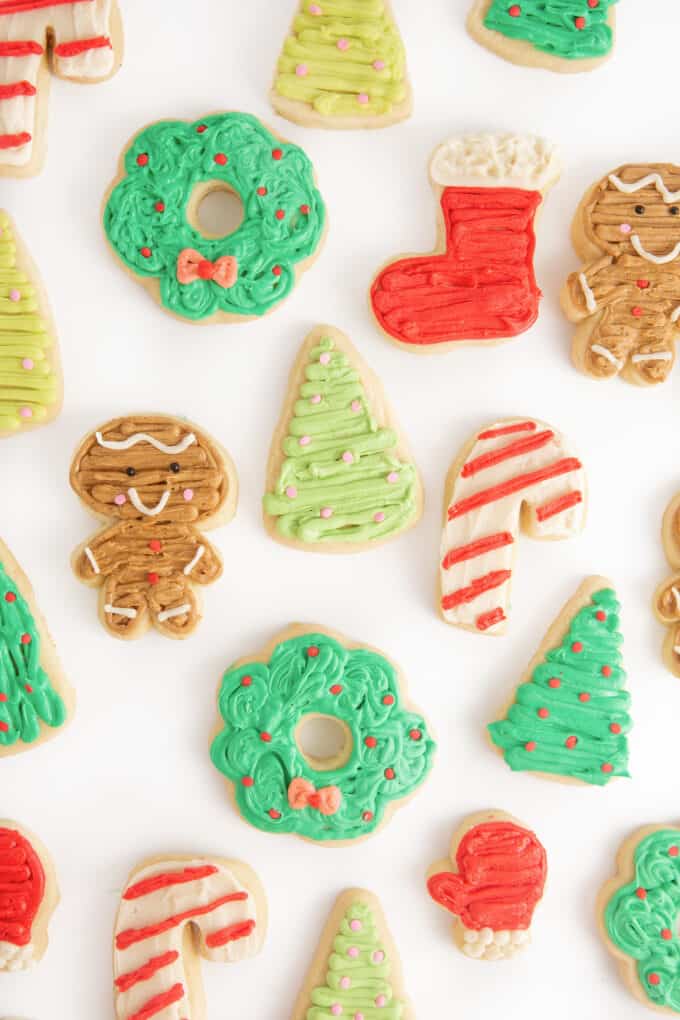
(151, 216)
(303, 674)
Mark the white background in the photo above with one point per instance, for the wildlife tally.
(131, 776)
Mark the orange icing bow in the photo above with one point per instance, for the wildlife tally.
(191, 266)
(302, 794)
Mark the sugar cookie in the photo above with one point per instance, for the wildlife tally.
(29, 897)
(667, 597)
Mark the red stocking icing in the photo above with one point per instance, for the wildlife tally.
(22, 888)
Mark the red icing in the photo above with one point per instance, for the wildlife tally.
(607, 768)
(10, 597)
(606, 671)
(159, 1003)
(15, 141)
(78, 46)
(22, 887)
(248, 781)
(490, 619)
(152, 578)
(336, 689)
(580, 22)
(571, 742)
(388, 699)
(142, 159)
(554, 682)
(240, 930)
(146, 252)
(29, 688)
(221, 159)
(273, 813)
(514, 11)
(614, 728)
(280, 214)
(584, 696)
(166, 879)
(415, 734)
(160, 207)
(637, 311)
(654, 979)
(367, 816)
(145, 972)
(643, 284)
(494, 579)
(25, 639)
(482, 288)
(4, 727)
(601, 615)
(21, 6)
(17, 88)
(3, 697)
(512, 485)
(276, 270)
(543, 713)
(370, 742)
(312, 651)
(514, 449)
(304, 209)
(265, 737)
(389, 773)
(478, 548)
(262, 191)
(508, 430)
(530, 746)
(246, 681)
(673, 851)
(131, 936)
(559, 505)
(155, 545)
(21, 49)
(501, 873)
(577, 647)
(277, 153)
(666, 934)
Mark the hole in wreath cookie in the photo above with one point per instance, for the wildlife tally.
(215, 210)
(324, 741)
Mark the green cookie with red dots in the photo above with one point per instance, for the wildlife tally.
(333, 795)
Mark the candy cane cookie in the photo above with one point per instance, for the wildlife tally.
(512, 476)
(156, 964)
(81, 40)
(667, 597)
(28, 898)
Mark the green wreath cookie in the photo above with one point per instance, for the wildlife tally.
(388, 750)
(150, 216)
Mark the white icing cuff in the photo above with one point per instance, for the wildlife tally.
(606, 353)
(676, 314)
(16, 957)
(93, 562)
(487, 944)
(652, 356)
(591, 303)
(496, 161)
(120, 611)
(199, 555)
(676, 595)
(170, 614)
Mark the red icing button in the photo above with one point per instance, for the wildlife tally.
(654, 979)
(367, 816)
(146, 252)
(221, 159)
(643, 284)
(388, 699)
(29, 689)
(160, 207)
(335, 689)
(514, 11)
(280, 214)
(666, 934)
(248, 781)
(641, 893)
(543, 713)
(25, 639)
(262, 191)
(577, 647)
(3, 697)
(614, 728)
(265, 737)
(312, 651)
(4, 727)
(636, 311)
(276, 270)
(304, 209)
(152, 578)
(246, 681)
(277, 153)
(593, 3)
(606, 671)
(155, 545)
(571, 742)
(389, 773)
(273, 813)
(205, 269)
(580, 22)
(607, 768)
(601, 615)
(10, 597)
(554, 683)
(415, 734)
(142, 159)
(584, 696)
(530, 746)
(673, 851)
(201, 128)
(370, 742)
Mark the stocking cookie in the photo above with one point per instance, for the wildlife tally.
(638, 914)
(626, 297)
(156, 964)
(478, 284)
(30, 370)
(356, 972)
(340, 476)
(151, 216)
(570, 718)
(499, 871)
(342, 66)
(83, 41)
(574, 36)
(515, 475)
(35, 697)
(667, 597)
(385, 754)
(29, 897)
(164, 481)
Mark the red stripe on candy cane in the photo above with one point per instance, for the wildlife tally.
(159, 1003)
(490, 619)
(133, 935)
(167, 878)
(513, 485)
(508, 430)
(230, 934)
(478, 548)
(516, 449)
(15, 141)
(17, 88)
(78, 46)
(558, 506)
(494, 579)
(21, 49)
(22, 6)
(145, 972)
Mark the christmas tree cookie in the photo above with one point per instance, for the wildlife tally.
(340, 476)
(356, 972)
(35, 698)
(342, 66)
(560, 35)
(30, 373)
(570, 716)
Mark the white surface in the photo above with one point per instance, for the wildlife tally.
(131, 776)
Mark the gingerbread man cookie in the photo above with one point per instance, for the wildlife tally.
(626, 297)
(164, 480)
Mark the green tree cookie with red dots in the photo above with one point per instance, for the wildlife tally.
(568, 29)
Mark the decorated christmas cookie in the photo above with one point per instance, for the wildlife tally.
(83, 40)
(569, 718)
(340, 476)
(35, 697)
(173, 911)
(29, 897)
(515, 475)
(30, 371)
(560, 35)
(342, 66)
(626, 296)
(151, 216)
(499, 871)
(163, 481)
(667, 597)
(265, 703)
(478, 284)
(356, 972)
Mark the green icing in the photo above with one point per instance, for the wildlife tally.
(24, 342)
(369, 993)
(26, 694)
(552, 26)
(177, 156)
(358, 687)
(349, 465)
(644, 925)
(582, 702)
(344, 58)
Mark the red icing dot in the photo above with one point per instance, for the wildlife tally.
(641, 893)
(10, 597)
(304, 209)
(201, 128)
(26, 639)
(160, 207)
(220, 159)
(280, 214)
(601, 615)
(643, 284)
(273, 813)
(607, 768)
(152, 578)
(370, 742)
(277, 153)
(614, 728)
(142, 159)
(584, 696)
(246, 681)
(666, 934)
(415, 734)
(146, 252)
(593, 3)
(543, 713)
(265, 737)
(155, 545)
(577, 647)
(514, 11)
(580, 22)
(571, 742)
(673, 851)
(262, 191)
(248, 781)
(205, 269)
(312, 651)
(276, 270)
(654, 979)
(554, 682)
(389, 773)
(530, 746)
(388, 699)
(336, 689)
(637, 311)
(367, 816)
(3, 697)
(29, 689)
(3, 727)
(606, 671)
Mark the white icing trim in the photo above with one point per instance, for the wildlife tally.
(676, 596)
(655, 356)
(144, 437)
(199, 554)
(93, 562)
(120, 611)
(658, 260)
(676, 314)
(591, 303)
(170, 614)
(654, 178)
(494, 161)
(599, 349)
(487, 944)
(143, 509)
(14, 958)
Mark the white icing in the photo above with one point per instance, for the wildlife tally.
(142, 508)
(199, 555)
(653, 356)
(15, 958)
(93, 562)
(676, 596)
(591, 303)
(495, 161)
(170, 901)
(487, 944)
(120, 611)
(143, 437)
(658, 260)
(170, 614)
(606, 353)
(653, 178)
(676, 314)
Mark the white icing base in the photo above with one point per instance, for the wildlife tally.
(488, 944)
(495, 161)
(16, 957)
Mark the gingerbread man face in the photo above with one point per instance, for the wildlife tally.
(148, 468)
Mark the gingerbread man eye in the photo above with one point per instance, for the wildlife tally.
(640, 210)
(174, 467)
(130, 471)
(674, 210)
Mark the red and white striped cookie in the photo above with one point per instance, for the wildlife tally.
(155, 967)
(85, 39)
(515, 475)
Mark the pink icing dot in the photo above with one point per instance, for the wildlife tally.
(626, 228)
(362, 98)
(188, 495)
(27, 363)
(336, 1009)
(304, 440)
(356, 405)
(393, 477)
(119, 499)
(380, 1000)
(355, 925)
(15, 295)
(291, 492)
(316, 399)
(353, 952)
(358, 1016)
(314, 9)
(26, 412)
(325, 358)
(327, 512)
(345, 982)
(379, 517)
(379, 65)
(342, 44)
(301, 70)
(348, 457)
(378, 956)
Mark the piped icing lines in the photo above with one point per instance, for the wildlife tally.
(480, 283)
(161, 481)
(29, 383)
(23, 883)
(154, 964)
(666, 602)
(337, 474)
(150, 227)
(78, 34)
(640, 914)
(388, 751)
(343, 59)
(569, 29)
(570, 717)
(497, 881)
(625, 298)
(517, 475)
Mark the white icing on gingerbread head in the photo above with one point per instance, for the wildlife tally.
(495, 161)
(636, 210)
